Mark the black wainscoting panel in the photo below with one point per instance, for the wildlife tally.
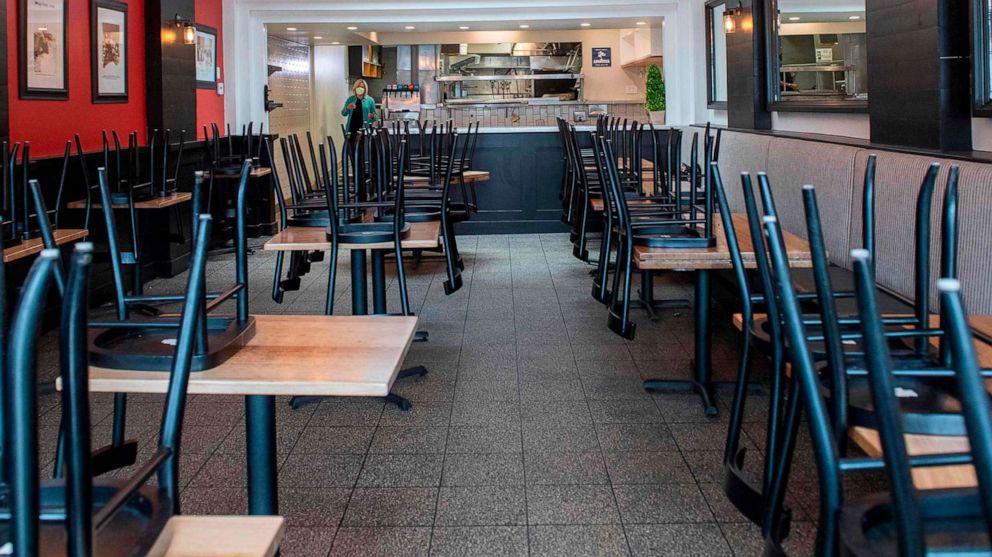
(918, 73)
(521, 195)
(170, 67)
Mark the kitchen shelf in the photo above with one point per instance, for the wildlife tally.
(518, 77)
(643, 62)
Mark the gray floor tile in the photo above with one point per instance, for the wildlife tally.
(312, 506)
(625, 411)
(485, 413)
(409, 440)
(479, 540)
(626, 468)
(336, 440)
(665, 503)
(307, 541)
(481, 505)
(575, 438)
(678, 540)
(566, 541)
(422, 414)
(320, 470)
(381, 542)
(401, 470)
(635, 437)
(484, 439)
(571, 504)
(483, 469)
(377, 506)
(560, 468)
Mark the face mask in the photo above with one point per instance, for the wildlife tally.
(360, 91)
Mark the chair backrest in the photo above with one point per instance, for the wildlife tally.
(21, 405)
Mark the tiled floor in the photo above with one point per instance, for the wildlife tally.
(531, 434)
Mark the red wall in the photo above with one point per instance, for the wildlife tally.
(210, 105)
(48, 124)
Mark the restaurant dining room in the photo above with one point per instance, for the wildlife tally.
(461, 278)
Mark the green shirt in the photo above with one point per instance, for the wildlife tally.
(367, 113)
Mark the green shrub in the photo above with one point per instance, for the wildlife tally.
(655, 90)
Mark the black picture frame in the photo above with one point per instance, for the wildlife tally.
(773, 86)
(95, 44)
(40, 93)
(981, 32)
(711, 18)
(212, 83)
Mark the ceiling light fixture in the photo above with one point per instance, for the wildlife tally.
(642, 23)
(854, 17)
(463, 27)
(794, 18)
(317, 37)
(524, 26)
(352, 28)
(409, 27)
(585, 24)
(291, 28)
(335, 42)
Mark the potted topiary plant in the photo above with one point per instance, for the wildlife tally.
(654, 100)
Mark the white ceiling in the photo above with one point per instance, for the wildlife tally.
(338, 31)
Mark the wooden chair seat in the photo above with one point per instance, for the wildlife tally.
(220, 536)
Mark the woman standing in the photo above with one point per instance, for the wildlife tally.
(359, 108)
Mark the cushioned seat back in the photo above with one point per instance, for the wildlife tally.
(974, 236)
(898, 177)
(829, 168)
(740, 152)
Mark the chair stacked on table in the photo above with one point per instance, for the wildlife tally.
(908, 372)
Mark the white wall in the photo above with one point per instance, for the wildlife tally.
(330, 90)
(981, 134)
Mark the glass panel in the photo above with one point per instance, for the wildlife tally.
(718, 54)
(987, 20)
(822, 50)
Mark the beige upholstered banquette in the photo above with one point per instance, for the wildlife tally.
(837, 172)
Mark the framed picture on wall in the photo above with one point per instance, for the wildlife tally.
(109, 59)
(42, 50)
(206, 57)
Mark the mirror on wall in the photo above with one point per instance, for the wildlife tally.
(818, 52)
(716, 54)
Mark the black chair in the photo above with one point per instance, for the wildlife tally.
(77, 515)
(902, 521)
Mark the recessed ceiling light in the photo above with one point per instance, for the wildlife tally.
(409, 27)
(291, 28)
(524, 26)
(585, 24)
(317, 37)
(352, 28)
(335, 42)
(794, 18)
(463, 27)
(854, 17)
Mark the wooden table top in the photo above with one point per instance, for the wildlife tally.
(718, 256)
(257, 172)
(154, 203)
(942, 476)
(34, 246)
(293, 355)
(423, 235)
(219, 536)
(471, 176)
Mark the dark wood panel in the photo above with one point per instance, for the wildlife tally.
(169, 66)
(521, 195)
(919, 73)
(746, 75)
(4, 85)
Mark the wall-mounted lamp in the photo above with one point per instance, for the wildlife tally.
(731, 18)
(189, 30)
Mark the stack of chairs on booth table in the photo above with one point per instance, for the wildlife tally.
(892, 375)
